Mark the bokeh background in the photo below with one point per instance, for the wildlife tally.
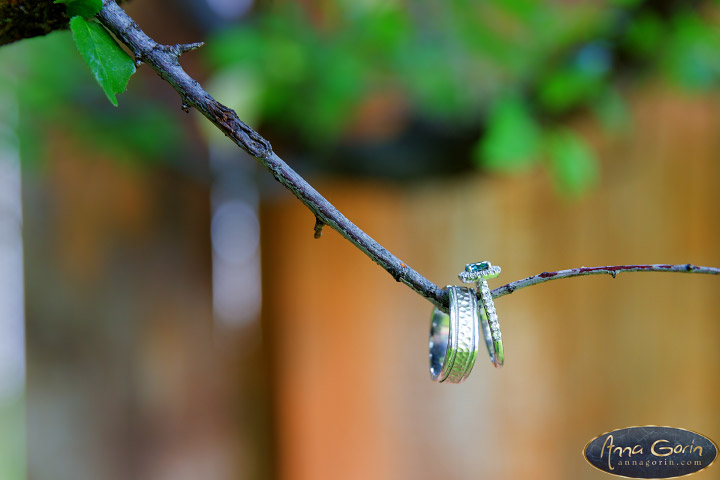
(165, 312)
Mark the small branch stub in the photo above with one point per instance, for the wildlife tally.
(180, 48)
(187, 47)
(319, 224)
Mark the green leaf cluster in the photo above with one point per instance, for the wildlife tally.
(512, 71)
(514, 142)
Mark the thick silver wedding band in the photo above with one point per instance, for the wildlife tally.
(454, 338)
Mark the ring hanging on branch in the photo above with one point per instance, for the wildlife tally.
(454, 338)
(479, 273)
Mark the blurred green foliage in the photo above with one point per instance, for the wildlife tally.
(512, 71)
(500, 149)
(692, 47)
(57, 94)
(571, 161)
(508, 76)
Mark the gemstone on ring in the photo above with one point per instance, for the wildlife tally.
(475, 272)
(477, 267)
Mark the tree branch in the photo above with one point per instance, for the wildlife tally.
(164, 60)
(611, 270)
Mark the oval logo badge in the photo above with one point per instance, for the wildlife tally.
(651, 452)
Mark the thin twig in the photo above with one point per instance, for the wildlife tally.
(164, 60)
(611, 270)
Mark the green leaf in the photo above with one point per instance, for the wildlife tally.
(512, 140)
(84, 8)
(110, 65)
(572, 163)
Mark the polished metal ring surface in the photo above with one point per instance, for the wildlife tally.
(479, 273)
(454, 337)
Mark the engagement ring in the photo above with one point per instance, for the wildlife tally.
(479, 273)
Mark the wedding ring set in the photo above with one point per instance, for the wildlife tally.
(455, 336)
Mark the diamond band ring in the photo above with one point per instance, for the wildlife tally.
(479, 273)
(454, 338)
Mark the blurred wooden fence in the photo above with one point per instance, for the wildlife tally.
(348, 345)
